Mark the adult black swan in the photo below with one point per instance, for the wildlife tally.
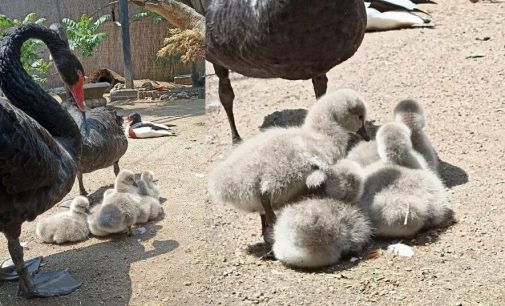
(291, 39)
(40, 148)
(103, 139)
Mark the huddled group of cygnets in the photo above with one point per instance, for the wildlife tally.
(319, 201)
(130, 202)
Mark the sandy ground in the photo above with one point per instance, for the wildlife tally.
(162, 266)
(464, 101)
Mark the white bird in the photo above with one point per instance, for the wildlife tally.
(146, 129)
(68, 226)
(394, 14)
(119, 209)
(270, 169)
(402, 195)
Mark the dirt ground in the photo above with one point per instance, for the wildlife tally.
(162, 266)
(464, 99)
(204, 253)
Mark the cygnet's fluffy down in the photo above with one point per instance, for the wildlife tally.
(411, 113)
(402, 200)
(68, 226)
(119, 209)
(316, 232)
(147, 185)
(276, 163)
(149, 208)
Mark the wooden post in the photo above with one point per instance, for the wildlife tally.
(125, 31)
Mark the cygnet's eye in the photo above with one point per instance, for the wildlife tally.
(361, 117)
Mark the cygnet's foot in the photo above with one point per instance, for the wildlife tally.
(48, 284)
(267, 233)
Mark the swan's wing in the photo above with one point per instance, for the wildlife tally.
(28, 153)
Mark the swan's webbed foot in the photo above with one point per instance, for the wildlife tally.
(42, 284)
(48, 284)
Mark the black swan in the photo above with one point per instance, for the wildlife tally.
(103, 138)
(292, 39)
(40, 148)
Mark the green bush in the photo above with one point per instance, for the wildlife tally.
(83, 34)
(30, 52)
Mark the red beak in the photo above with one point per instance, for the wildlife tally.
(129, 119)
(77, 91)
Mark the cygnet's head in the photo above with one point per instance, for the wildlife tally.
(125, 181)
(80, 205)
(410, 113)
(343, 108)
(345, 181)
(393, 141)
(147, 176)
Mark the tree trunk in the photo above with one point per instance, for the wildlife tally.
(176, 13)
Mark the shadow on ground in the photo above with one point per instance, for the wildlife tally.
(163, 111)
(103, 268)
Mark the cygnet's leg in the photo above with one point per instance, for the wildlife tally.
(81, 185)
(320, 84)
(116, 168)
(269, 219)
(226, 95)
(42, 284)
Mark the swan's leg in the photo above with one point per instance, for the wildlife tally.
(42, 284)
(269, 219)
(320, 83)
(226, 95)
(26, 287)
(116, 168)
(82, 190)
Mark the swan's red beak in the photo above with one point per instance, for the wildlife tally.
(77, 91)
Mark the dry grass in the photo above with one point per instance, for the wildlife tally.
(188, 44)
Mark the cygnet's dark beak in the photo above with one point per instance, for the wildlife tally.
(363, 132)
(135, 184)
(87, 211)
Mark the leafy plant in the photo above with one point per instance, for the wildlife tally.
(157, 19)
(83, 34)
(37, 67)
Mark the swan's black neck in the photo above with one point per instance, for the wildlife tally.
(27, 95)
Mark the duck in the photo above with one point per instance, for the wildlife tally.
(104, 141)
(318, 231)
(402, 196)
(383, 15)
(146, 129)
(256, 39)
(410, 113)
(119, 209)
(270, 169)
(40, 149)
(67, 226)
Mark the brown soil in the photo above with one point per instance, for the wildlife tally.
(464, 101)
(162, 266)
